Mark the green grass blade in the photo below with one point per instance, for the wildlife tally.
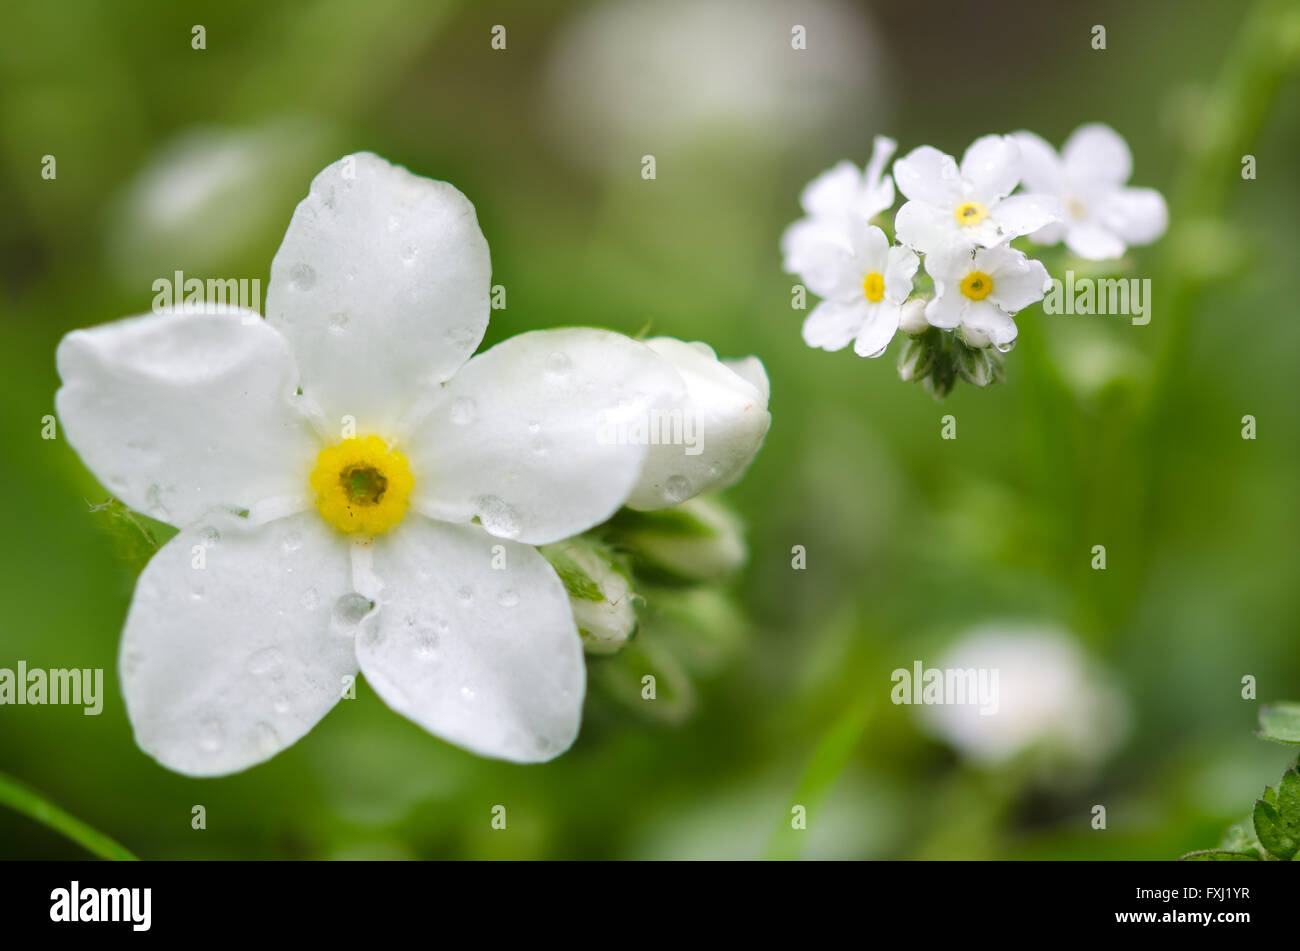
(25, 800)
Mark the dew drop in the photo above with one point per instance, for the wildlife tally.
(534, 426)
(466, 594)
(409, 254)
(338, 323)
(677, 489)
(211, 735)
(467, 692)
(558, 363)
(209, 536)
(281, 704)
(497, 516)
(462, 411)
(265, 661)
(351, 609)
(302, 277)
(426, 645)
(292, 542)
(311, 599)
(508, 598)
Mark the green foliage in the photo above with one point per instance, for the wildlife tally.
(1280, 723)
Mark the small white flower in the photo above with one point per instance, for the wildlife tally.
(949, 206)
(722, 408)
(307, 553)
(830, 202)
(865, 285)
(1101, 216)
(1050, 700)
(979, 289)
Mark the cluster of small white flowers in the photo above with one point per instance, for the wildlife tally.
(961, 218)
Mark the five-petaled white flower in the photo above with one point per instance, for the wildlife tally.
(949, 206)
(864, 286)
(979, 289)
(837, 196)
(353, 490)
(1101, 216)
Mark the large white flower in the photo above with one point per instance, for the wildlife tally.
(1101, 216)
(1051, 700)
(865, 286)
(832, 200)
(979, 289)
(948, 205)
(714, 427)
(307, 552)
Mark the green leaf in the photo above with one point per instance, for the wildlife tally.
(1288, 797)
(1280, 723)
(1219, 855)
(1278, 834)
(29, 802)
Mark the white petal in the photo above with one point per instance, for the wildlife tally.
(751, 368)
(528, 436)
(1018, 282)
(925, 174)
(724, 419)
(870, 251)
(991, 168)
(1091, 240)
(878, 329)
(880, 187)
(927, 228)
(381, 286)
(1049, 234)
(985, 318)
(1021, 214)
(947, 308)
(833, 192)
(226, 664)
(485, 657)
(1138, 215)
(833, 324)
(819, 252)
(177, 413)
(899, 271)
(1040, 167)
(1097, 153)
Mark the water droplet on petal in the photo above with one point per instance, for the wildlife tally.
(302, 277)
(497, 516)
(265, 661)
(508, 598)
(558, 363)
(462, 411)
(292, 541)
(677, 489)
(281, 704)
(211, 734)
(466, 594)
(311, 599)
(209, 537)
(351, 609)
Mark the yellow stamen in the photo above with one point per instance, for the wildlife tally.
(362, 485)
(873, 285)
(970, 213)
(976, 285)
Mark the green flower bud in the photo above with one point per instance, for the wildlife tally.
(700, 540)
(599, 592)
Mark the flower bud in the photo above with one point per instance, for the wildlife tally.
(700, 540)
(707, 439)
(912, 318)
(599, 592)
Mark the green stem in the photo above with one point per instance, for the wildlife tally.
(25, 800)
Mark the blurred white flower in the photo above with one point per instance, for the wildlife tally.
(207, 194)
(627, 78)
(979, 289)
(1101, 216)
(1051, 699)
(949, 206)
(724, 404)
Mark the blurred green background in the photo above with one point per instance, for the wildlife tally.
(173, 158)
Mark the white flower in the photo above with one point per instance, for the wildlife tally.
(403, 551)
(1101, 216)
(979, 289)
(721, 416)
(1049, 699)
(865, 287)
(831, 201)
(950, 206)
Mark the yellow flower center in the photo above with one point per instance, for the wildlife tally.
(976, 285)
(970, 213)
(873, 285)
(362, 485)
